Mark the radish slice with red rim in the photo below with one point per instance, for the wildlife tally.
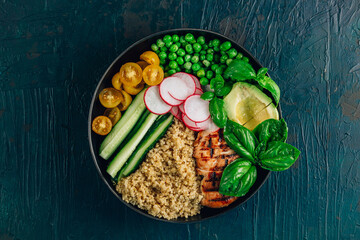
(190, 86)
(169, 83)
(199, 91)
(190, 124)
(197, 82)
(154, 103)
(181, 108)
(176, 112)
(196, 108)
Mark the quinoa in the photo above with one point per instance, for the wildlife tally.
(166, 184)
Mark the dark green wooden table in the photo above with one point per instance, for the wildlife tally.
(53, 53)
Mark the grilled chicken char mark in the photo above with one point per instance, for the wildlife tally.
(212, 155)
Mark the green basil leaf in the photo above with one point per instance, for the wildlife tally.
(217, 112)
(278, 156)
(271, 86)
(239, 70)
(241, 140)
(237, 178)
(217, 82)
(262, 72)
(271, 130)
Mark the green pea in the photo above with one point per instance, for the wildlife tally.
(154, 47)
(189, 37)
(181, 52)
(210, 57)
(228, 61)
(187, 58)
(211, 44)
(216, 42)
(202, 57)
(180, 60)
(196, 54)
(225, 46)
(166, 74)
(157, 51)
(195, 67)
(167, 38)
(207, 96)
(197, 47)
(216, 57)
(201, 40)
(206, 63)
(200, 73)
(173, 48)
(223, 58)
(175, 38)
(239, 56)
(182, 40)
(187, 70)
(205, 47)
(232, 53)
(178, 44)
(245, 59)
(163, 49)
(188, 65)
(188, 48)
(203, 52)
(216, 49)
(167, 68)
(219, 71)
(204, 81)
(162, 55)
(178, 69)
(209, 74)
(162, 61)
(214, 67)
(172, 56)
(168, 44)
(210, 51)
(222, 52)
(160, 43)
(194, 59)
(173, 64)
(171, 72)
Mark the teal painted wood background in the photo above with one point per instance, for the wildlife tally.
(53, 53)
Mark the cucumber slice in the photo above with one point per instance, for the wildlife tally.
(123, 127)
(124, 154)
(152, 137)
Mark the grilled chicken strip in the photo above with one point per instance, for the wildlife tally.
(212, 155)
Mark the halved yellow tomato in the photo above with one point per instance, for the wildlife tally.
(150, 57)
(101, 125)
(134, 90)
(142, 64)
(113, 114)
(125, 104)
(130, 74)
(110, 97)
(153, 75)
(116, 81)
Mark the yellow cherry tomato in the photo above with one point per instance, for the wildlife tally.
(116, 81)
(113, 114)
(150, 57)
(125, 104)
(134, 90)
(142, 64)
(110, 97)
(101, 125)
(130, 74)
(153, 75)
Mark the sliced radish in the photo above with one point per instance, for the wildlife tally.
(153, 101)
(164, 90)
(198, 91)
(196, 108)
(181, 108)
(212, 127)
(190, 124)
(197, 82)
(190, 86)
(176, 112)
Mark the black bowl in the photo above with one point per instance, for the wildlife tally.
(132, 54)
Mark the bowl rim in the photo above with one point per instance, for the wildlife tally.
(136, 209)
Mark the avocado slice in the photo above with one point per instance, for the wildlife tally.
(245, 102)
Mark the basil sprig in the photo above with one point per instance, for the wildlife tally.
(239, 70)
(264, 146)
